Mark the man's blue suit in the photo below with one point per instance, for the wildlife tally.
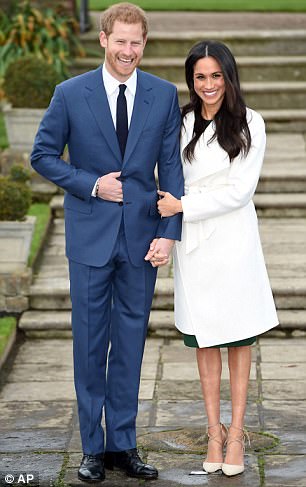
(111, 285)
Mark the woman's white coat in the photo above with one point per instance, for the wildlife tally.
(222, 290)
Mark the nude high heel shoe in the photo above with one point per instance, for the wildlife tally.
(230, 470)
(210, 467)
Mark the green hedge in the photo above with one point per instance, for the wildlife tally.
(7, 325)
(3, 137)
(212, 5)
(42, 212)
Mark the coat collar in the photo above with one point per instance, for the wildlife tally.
(96, 97)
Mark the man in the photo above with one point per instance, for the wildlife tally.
(118, 122)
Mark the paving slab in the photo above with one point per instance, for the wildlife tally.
(145, 412)
(48, 439)
(30, 372)
(182, 389)
(282, 353)
(284, 389)
(190, 413)
(35, 415)
(38, 391)
(113, 479)
(48, 465)
(291, 442)
(75, 445)
(189, 371)
(149, 368)
(50, 352)
(174, 471)
(146, 390)
(283, 371)
(285, 470)
(291, 415)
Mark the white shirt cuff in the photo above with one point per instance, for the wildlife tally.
(93, 193)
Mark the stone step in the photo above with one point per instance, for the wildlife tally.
(268, 95)
(280, 205)
(162, 322)
(284, 168)
(242, 42)
(42, 189)
(251, 68)
(268, 204)
(284, 120)
(284, 248)
(53, 293)
(260, 84)
(47, 324)
(277, 179)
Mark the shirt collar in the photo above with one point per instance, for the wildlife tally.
(111, 84)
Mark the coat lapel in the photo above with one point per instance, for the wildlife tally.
(96, 97)
(142, 106)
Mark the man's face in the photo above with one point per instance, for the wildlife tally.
(123, 49)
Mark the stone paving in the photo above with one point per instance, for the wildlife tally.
(39, 427)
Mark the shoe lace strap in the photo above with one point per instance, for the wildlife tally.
(242, 439)
(216, 436)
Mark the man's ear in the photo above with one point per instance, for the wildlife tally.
(103, 39)
(144, 41)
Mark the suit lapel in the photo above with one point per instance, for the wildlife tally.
(142, 106)
(96, 97)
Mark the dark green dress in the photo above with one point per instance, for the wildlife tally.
(191, 341)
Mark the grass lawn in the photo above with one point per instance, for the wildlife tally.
(7, 325)
(42, 213)
(3, 137)
(212, 5)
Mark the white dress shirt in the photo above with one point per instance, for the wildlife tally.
(111, 85)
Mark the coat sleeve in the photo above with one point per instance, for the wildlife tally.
(240, 186)
(170, 172)
(49, 144)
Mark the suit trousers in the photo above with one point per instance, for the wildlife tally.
(110, 312)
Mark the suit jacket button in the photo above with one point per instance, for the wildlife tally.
(120, 203)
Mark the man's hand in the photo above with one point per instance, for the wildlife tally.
(110, 188)
(159, 251)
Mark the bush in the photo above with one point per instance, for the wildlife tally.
(29, 83)
(48, 34)
(15, 194)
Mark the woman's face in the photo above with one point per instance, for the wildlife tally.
(209, 83)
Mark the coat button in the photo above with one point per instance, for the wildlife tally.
(120, 203)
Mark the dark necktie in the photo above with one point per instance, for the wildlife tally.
(122, 119)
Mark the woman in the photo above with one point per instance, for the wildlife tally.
(222, 292)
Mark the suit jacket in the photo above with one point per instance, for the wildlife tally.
(79, 116)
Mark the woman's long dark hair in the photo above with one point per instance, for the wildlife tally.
(232, 131)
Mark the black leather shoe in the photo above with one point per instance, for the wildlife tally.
(130, 462)
(92, 468)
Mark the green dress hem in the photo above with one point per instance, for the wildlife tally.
(191, 341)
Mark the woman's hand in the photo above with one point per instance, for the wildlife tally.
(168, 205)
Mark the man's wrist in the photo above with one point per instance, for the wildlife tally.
(97, 188)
